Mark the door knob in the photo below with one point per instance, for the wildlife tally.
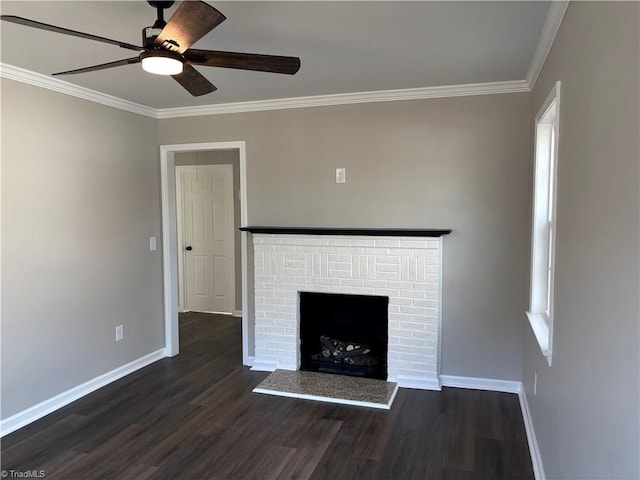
(188, 248)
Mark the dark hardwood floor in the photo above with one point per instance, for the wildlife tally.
(194, 416)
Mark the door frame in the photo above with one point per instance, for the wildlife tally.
(170, 240)
(182, 282)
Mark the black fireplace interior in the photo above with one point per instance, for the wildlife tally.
(344, 334)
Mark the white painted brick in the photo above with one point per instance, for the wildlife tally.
(413, 326)
(294, 271)
(388, 267)
(275, 301)
(413, 310)
(340, 289)
(340, 266)
(363, 291)
(399, 285)
(411, 341)
(339, 242)
(328, 281)
(320, 242)
(400, 301)
(358, 242)
(298, 256)
(431, 278)
(282, 308)
(387, 243)
(400, 268)
(281, 322)
(340, 273)
(412, 293)
(388, 275)
(340, 258)
(421, 244)
(424, 335)
(402, 318)
(386, 292)
(433, 303)
(431, 312)
(295, 241)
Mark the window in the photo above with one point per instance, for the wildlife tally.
(543, 233)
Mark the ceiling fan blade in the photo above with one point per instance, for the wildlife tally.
(244, 61)
(52, 28)
(103, 66)
(194, 82)
(190, 22)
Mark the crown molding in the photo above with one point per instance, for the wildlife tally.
(50, 83)
(515, 86)
(37, 79)
(549, 31)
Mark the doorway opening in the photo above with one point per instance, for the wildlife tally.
(170, 155)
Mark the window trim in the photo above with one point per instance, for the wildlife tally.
(543, 230)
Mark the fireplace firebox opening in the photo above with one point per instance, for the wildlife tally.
(344, 334)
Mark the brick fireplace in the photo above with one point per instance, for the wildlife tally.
(403, 265)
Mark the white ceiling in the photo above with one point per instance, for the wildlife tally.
(344, 47)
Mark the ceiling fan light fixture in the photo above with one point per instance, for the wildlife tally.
(162, 62)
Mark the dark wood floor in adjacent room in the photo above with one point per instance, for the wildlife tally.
(194, 416)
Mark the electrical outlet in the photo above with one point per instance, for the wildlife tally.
(341, 175)
(152, 244)
(119, 333)
(535, 383)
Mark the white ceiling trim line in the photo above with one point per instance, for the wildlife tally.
(549, 31)
(50, 83)
(515, 86)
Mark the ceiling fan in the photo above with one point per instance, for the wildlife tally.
(166, 51)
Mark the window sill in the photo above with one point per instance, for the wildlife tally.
(540, 325)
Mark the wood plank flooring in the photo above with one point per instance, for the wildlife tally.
(194, 416)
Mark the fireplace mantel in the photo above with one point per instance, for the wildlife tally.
(369, 232)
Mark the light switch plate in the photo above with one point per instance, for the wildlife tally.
(152, 244)
(341, 175)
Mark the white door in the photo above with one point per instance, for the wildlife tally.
(208, 237)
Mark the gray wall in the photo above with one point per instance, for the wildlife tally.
(585, 412)
(222, 157)
(80, 199)
(461, 163)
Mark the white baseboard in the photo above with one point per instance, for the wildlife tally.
(480, 383)
(237, 313)
(261, 366)
(417, 382)
(31, 414)
(534, 450)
